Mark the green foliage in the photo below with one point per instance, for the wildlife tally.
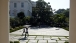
(11, 42)
(12, 22)
(64, 18)
(20, 27)
(21, 15)
(16, 42)
(15, 29)
(28, 20)
(59, 11)
(64, 11)
(66, 42)
(42, 12)
(66, 28)
(59, 38)
(59, 20)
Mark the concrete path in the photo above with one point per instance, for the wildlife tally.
(39, 39)
(41, 35)
(44, 31)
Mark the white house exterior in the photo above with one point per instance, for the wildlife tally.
(17, 6)
(33, 4)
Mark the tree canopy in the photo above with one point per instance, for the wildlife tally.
(63, 11)
(42, 11)
(21, 15)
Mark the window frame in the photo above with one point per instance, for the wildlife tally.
(15, 5)
(22, 5)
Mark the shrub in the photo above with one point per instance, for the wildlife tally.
(11, 42)
(66, 28)
(16, 28)
(20, 27)
(66, 42)
(11, 30)
(16, 42)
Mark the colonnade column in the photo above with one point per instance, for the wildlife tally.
(4, 22)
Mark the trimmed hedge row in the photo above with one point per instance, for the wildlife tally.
(14, 42)
(15, 29)
(66, 28)
(66, 42)
(11, 42)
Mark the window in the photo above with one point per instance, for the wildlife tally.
(15, 5)
(22, 4)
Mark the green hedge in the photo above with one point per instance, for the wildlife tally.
(20, 27)
(11, 42)
(15, 29)
(66, 28)
(16, 42)
(66, 42)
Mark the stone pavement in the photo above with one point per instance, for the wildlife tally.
(39, 39)
(41, 35)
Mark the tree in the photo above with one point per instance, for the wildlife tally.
(59, 20)
(20, 15)
(63, 11)
(66, 12)
(17, 21)
(28, 20)
(59, 11)
(42, 12)
(12, 22)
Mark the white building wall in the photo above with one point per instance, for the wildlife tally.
(34, 3)
(27, 9)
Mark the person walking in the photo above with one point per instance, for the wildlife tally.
(23, 31)
(27, 31)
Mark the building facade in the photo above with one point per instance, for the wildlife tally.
(17, 6)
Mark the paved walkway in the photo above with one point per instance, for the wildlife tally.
(39, 39)
(44, 31)
(41, 35)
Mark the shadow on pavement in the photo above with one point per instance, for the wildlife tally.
(25, 38)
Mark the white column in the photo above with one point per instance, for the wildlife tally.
(4, 26)
(72, 23)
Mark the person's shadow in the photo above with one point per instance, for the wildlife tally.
(25, 38)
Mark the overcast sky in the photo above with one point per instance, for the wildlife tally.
(58, 4)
